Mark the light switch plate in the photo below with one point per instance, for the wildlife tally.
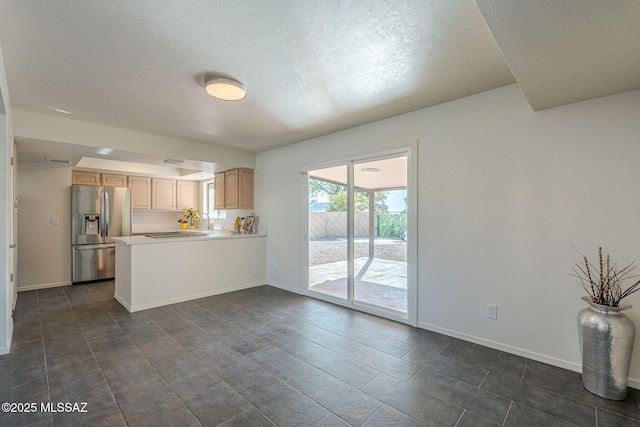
(54, 220)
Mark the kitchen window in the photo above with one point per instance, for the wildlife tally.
(209, 198)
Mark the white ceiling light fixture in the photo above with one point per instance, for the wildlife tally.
(225, 88)
(104, 151)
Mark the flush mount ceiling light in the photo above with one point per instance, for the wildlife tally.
(370, 170)
(104, 151)
(225, 88)
(59, 110)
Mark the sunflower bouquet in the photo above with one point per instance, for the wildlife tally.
(190, 215)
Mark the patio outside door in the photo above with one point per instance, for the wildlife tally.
(357, 240)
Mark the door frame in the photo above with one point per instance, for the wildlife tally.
(411, 151)
(14, 226)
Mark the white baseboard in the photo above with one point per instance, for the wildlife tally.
(43, 286)
(504, 347)
(7, 348)
(134, 308)
(122, 302)
(575, 367)
(285, 287)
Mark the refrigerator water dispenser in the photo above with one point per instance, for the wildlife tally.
(90, 224)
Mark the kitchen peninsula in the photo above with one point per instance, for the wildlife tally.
(152, 272)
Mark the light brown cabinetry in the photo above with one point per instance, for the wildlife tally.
(147, 193)
(219, 190)
(245, 188)
(231, 189)
(234, 189)
(111, 180)
(85, 178)
(163, 194)
(97, 178)
(140, 192)
(187, 194)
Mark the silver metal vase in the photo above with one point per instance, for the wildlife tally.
(606, 342)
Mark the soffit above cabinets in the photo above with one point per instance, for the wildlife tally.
(114, 161)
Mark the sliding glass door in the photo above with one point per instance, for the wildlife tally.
(380, 228)
(327, 232)
(357, 234)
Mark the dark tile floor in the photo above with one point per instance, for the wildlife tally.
(264, 356)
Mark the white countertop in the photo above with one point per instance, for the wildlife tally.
(210, 235)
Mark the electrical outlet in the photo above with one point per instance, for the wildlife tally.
(492, 311)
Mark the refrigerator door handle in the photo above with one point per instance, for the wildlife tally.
(107, 210)
(102, 216)
(93, 247)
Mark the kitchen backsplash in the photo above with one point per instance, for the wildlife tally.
(150, 221)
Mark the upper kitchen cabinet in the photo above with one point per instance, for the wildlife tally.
(218, 194)
(85, 178)
(140, 192)
(163, 194)
(187, 194)
(245, 189)
(234, 189)
(111, 180)
(231, 187)
(97, 178)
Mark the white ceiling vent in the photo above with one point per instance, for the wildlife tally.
(58, 161)
(174, 161)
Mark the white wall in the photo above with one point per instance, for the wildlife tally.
(6, 218)
(504, 193)
(44, 250)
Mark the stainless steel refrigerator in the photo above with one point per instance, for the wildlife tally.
(97, 214)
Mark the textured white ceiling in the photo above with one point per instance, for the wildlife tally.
(564, 51)
(311, 67)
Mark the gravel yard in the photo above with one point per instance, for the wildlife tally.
(324, 251)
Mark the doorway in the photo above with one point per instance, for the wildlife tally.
(359, 234)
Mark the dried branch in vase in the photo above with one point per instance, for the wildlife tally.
(604, 282)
